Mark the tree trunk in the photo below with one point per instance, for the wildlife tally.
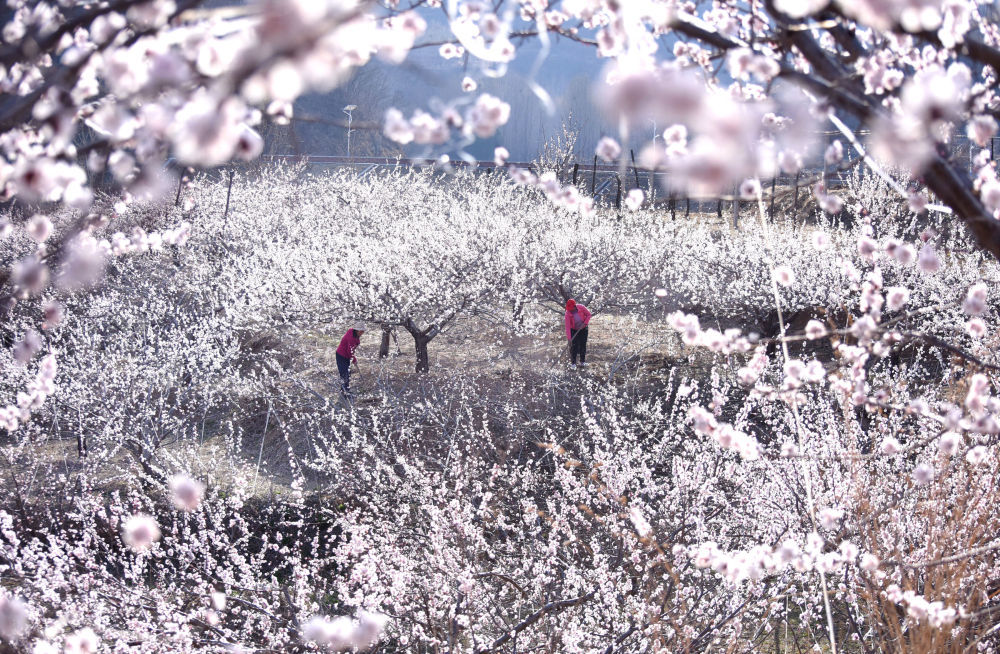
(423, 362)
(383, 350)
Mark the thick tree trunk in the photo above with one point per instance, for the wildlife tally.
(420, 340)
(423, 361)
(383, 350)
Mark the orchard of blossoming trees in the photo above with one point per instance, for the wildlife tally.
(786, 437)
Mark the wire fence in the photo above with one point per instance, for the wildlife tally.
(609, 183)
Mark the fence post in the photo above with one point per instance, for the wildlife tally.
(229, 193)
(576, 168)
(718, 209)
(795, 199)
(770, 209)
(736, 208)
(673, 207)
(180, 183)
(687, 208)
(635, 170)
(593, 179)
(618, 198)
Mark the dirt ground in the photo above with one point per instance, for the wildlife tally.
(617, 346)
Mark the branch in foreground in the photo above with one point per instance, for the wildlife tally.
(551, 607)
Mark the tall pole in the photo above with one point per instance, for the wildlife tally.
(229, 193)
(347, 110)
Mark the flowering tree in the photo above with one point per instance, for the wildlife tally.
(911, 73)
(422, 276)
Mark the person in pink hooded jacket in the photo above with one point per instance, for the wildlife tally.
(345, 355)
(577, 319)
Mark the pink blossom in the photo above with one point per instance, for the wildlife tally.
(487, 115)
(704, 421)
(815, 329)
(789, 162)
(280, 111)
(905, 254)
(186, 492)
(981, 129)
(83, 641)
(47, 368)
(369, 629)
(500, 156)
(249, 144)
(942, 616)
(869, 562)
(975, 300)
(896, 297)
(867, 247)
(634, 89)
(428, 129)
(52, 312)
(27, 346)
(739, 61)
(397, 128)
(342, 633)
(706, 168)
(949, 443)
(933, 95)
(927, 259)
(522, 175)
(916, 606)
(206, 131)
(834, 153)
(830, 518)
(750, 189)
(608, 149)
(13, 618)
(140, 532)
(788, 551)
(830, 203)
(976, 328)
(634, 199)
(955, 23)
(923, 474)
(705, 554)
(800, 8)
(675, 136)
(890, 446)
(977, 455)
(990, 193)
(451, 51)
(39, 228)
(917, 202)
(783, 275)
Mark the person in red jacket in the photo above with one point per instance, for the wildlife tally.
(577, 319)
(345, 355)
